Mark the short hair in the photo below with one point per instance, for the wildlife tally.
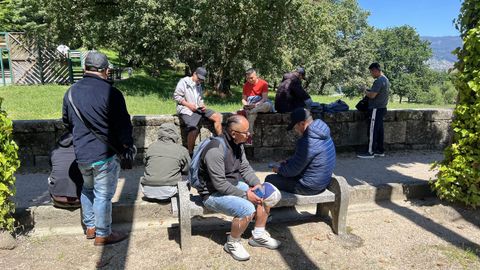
(235, 119)
(250, 71)
(374, 66)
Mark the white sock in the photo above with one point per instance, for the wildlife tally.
(230, 238)
(258, 231)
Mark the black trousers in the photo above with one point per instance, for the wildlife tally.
(290, 184)
(375, 130)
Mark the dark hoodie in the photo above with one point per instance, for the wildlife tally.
(65, 178)
(290, 94)
(314, 158)
(166, 160)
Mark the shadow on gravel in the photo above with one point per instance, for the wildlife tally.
(115, 256)
(431, 226)
(291, 252)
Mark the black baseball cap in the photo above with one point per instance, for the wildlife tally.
(96, 61)
(301, 71)
(201, 73)
(298, 115)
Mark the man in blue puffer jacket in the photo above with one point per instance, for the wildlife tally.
(309, 170)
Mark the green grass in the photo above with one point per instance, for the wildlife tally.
(143, 94)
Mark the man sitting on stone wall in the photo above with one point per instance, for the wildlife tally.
(255, 98)
(309, 170)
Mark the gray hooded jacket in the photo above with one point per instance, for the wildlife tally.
(166, 160)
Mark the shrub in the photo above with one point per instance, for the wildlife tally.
(459, 172)
(9, 163)
(434, 96)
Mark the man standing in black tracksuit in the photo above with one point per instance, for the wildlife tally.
(377, 108)
(103, 108)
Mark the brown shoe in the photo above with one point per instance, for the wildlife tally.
(113, 238)
(90, 233)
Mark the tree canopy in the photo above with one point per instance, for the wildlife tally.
(330, 39)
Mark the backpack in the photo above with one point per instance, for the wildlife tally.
(192, 177)
(337, 106)
(362, 105)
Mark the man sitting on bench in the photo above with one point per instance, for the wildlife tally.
(309, 170)
(229, 183)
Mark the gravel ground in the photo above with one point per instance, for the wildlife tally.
(395, 235)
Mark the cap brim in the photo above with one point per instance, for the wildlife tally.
(201, 77)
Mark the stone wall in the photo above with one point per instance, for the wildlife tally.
(404, 129)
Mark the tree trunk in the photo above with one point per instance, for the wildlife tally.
(322, 87)
(400, 99)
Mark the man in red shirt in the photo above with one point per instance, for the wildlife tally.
(255, 97)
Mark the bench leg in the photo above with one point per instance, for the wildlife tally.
(184, 218)
(340, 188)
(323, 209)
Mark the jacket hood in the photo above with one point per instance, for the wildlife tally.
(318, 130)
(168, 133)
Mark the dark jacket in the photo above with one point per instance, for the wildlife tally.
(65, 178)
(166, 160)
(104, 107)
(290, 94)
(314, 158)
(221, 173)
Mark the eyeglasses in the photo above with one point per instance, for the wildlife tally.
(246, 133)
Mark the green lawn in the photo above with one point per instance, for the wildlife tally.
(143, 94)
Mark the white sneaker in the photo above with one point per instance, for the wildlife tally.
(236, 249)
(264, 241)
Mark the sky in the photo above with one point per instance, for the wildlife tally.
(429, 17)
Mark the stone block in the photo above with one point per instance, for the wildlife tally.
(389, 116)
(25, 154)
(395, 132)
(396, 146)
(152, 120)
(418, 132)
(349, 133)
(402, 115)
(272, 153)
(439, 114)
(145, 135)
(420, 146)
(276, 135)
(360, 116)
(272, 119)
(441, 132)
(204, 133)
(59, 125)
(33, 126)
(42, 161)
(42, 143)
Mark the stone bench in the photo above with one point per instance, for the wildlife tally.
(334, 200)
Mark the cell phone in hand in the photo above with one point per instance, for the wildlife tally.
(258, 192)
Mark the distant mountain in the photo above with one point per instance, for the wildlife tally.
(442, 48)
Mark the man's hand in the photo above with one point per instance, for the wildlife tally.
(192, 107)
(251, 196)
(275, 169)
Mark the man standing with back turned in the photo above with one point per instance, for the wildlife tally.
(103, 109)
(377, 108)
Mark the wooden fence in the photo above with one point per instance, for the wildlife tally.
(33, 61)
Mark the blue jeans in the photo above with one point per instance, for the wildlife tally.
(100, 183)
(230, 205)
